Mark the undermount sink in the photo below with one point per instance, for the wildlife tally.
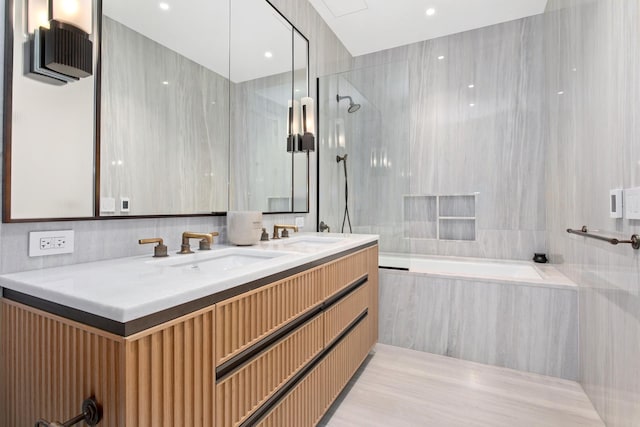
(310, 242)
(219, 260)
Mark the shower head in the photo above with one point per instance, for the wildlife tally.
(353, 107)
(341, 158)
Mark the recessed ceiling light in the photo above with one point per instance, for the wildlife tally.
(268, 54)
(165, 83)
(472, 105)
(560, 92)
(441, 57)
(431, 11)
(471, 86)
(164, 6)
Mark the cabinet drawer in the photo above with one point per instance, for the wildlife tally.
(246, 319)
(338, 317)
(304, 405)
(346, 358)
(247, 388)
(308, 401)
(345, 271)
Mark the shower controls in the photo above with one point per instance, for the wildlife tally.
(615, 203)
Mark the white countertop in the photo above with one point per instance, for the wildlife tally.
(126, 289)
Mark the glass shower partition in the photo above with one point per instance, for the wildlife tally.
(364, 126)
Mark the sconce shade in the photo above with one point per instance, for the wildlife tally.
(307, 143)
(293, 126)
(38, 15)
(60, 50)
(74, 12)
(308, 116)
(67, 50)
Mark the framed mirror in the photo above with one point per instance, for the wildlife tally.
(269, 77)
(48, 125)
(176, 118)
(164, 145)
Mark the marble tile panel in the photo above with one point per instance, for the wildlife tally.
(591, 49)
(528, 328)
(413, 312)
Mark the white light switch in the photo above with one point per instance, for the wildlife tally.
(615, 203)
(632, 203)
(300, 222)
(107, 205)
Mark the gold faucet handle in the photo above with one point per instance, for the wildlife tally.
(205, 245)
(160, 250)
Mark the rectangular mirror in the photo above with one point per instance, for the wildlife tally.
(164, 143)
(269, 77)
(48, 127)
(187, 113)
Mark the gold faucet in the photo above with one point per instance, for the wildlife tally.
(206, 240)
(285, 232)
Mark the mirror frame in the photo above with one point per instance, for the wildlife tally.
(7, 114)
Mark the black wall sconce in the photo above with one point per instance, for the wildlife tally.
(59, 50)
(301, 126)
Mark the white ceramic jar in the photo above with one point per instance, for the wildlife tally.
(244, 228)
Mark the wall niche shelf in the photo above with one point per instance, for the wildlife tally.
(440, 217)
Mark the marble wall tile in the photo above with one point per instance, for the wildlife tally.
(414, 312)
(591, 49)
(455, 132)
(527, 328)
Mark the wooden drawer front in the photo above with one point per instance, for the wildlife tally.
(346, 358)
(247, 318)
(246, 389)
(307, 403)
(339, 316)
(304, 405)
(170, 374)
(341, 273)
(50, 365)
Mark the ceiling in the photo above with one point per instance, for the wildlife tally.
(366, 26)
(199, 30)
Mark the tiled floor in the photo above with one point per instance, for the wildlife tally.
(399, 387)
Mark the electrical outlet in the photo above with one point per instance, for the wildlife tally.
(46, 243)
(42, 243)
(59, 242)
(300, 222)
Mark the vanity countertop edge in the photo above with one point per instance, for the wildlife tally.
(125, 296)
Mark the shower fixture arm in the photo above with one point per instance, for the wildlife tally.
(347, 217)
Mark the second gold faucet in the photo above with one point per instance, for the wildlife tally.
(285, 232)
(206, 240)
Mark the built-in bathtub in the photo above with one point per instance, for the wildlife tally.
(479, 269)
(514, 314)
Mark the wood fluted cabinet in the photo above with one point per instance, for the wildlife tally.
(277, 355)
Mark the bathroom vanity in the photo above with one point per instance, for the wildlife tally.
(268, 335)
